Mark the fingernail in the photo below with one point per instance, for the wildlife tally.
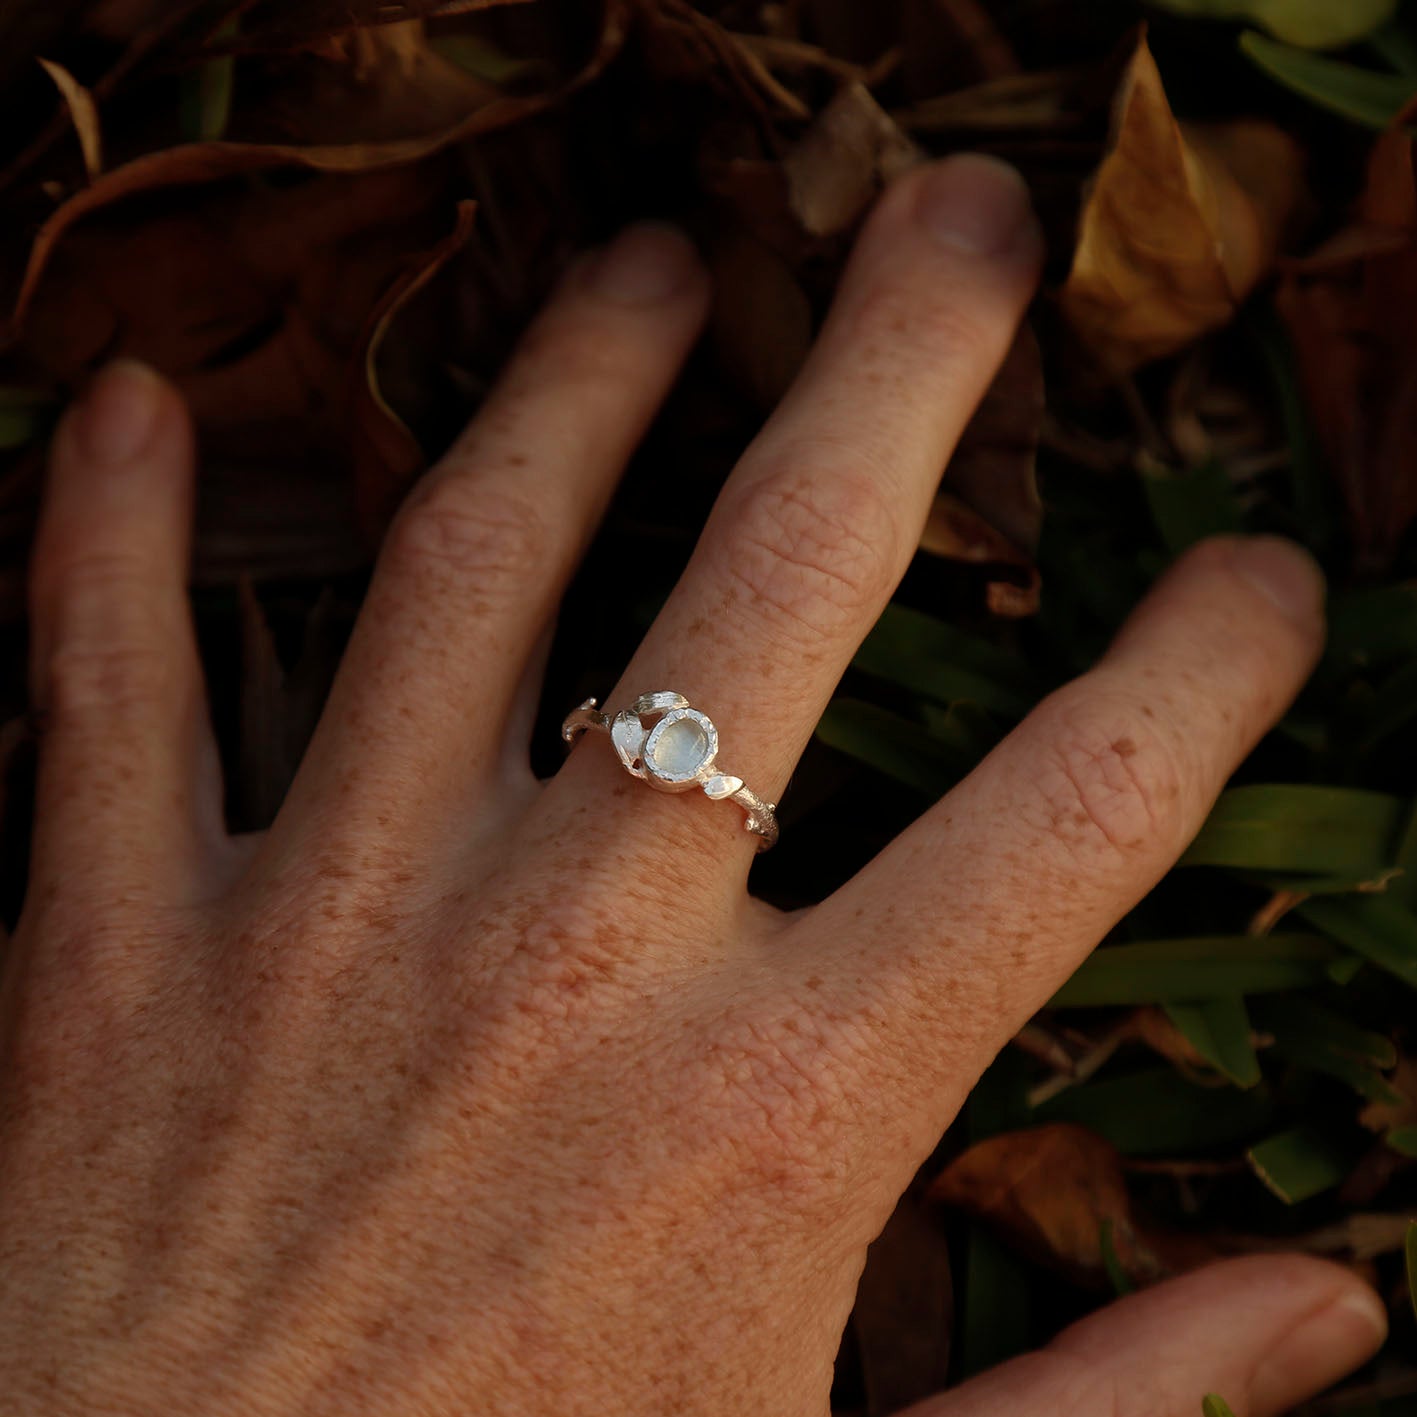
(1325, 1346)
(646, 262)
(1284, 573)
(115, 416)
(977, 205)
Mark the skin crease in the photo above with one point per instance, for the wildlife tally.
(460, 1093)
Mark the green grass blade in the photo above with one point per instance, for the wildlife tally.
(1314, 24)
(1306, 1023)
(1213, 1405)
(204, 103)
(1403, 888)
(1372, 626)
(1116, 1275)
(1402, 1140)
(1197, 970)
(995, 1325)
(1396, 47)
(1300, 1163)
(1219, 1030)
(18, 426)
(963, 728)
(1189, 506)
(1326, 830)
(484, 60)
(24, 414)
(1360, 95)
(1158, 1112)
(1311, 1036)
(1381, 930)
(1356, 881)
(1310, 486)
(1390, 710)
(933, 659)
(894, 746)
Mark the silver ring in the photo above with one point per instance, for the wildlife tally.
(664, 741)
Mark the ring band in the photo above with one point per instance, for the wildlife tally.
(664, 741)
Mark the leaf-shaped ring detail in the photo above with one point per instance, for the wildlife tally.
(666, 742)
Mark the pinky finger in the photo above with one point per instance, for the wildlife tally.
(128, 800)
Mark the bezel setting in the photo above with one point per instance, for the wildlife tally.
(639, 732)
(681, 779)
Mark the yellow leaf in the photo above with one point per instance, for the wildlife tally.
(1314, 24)
(1178, 226)
(84, 113)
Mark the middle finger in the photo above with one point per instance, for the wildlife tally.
(816, 526)
(472, 569)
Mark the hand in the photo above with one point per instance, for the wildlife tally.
(458, 1092)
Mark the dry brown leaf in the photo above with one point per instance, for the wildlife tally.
(257, 302)
(792, 55)
(387, 457)
(841, 163)
(994, 468)
(761, 321)
(206, 162)
(1048, 101)
(281, 27)
(84, 113)
(904, 1305)
(1351, 310)
(1178, 226)
(685, 46)
(958, 533)
(1049, 1191)
(378, 85)
(947, 44)
(1380, 1116)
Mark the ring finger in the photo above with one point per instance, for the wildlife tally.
(817, 524)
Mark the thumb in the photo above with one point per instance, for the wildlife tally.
(1263, 1332)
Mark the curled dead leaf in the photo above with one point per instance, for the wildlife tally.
(1049, 1191)
(387, 457)
(209, 161)
(904, 1305)
(1349, 310)
(84, 113)
(684, 45)
(958, 533)
(947, 44)
(839, 166)
(994, 469)
(1178, 226)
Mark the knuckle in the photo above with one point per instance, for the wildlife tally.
(71, 568)
(82, 675)
(815, 546)
(1108, 780)
(454, 524)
